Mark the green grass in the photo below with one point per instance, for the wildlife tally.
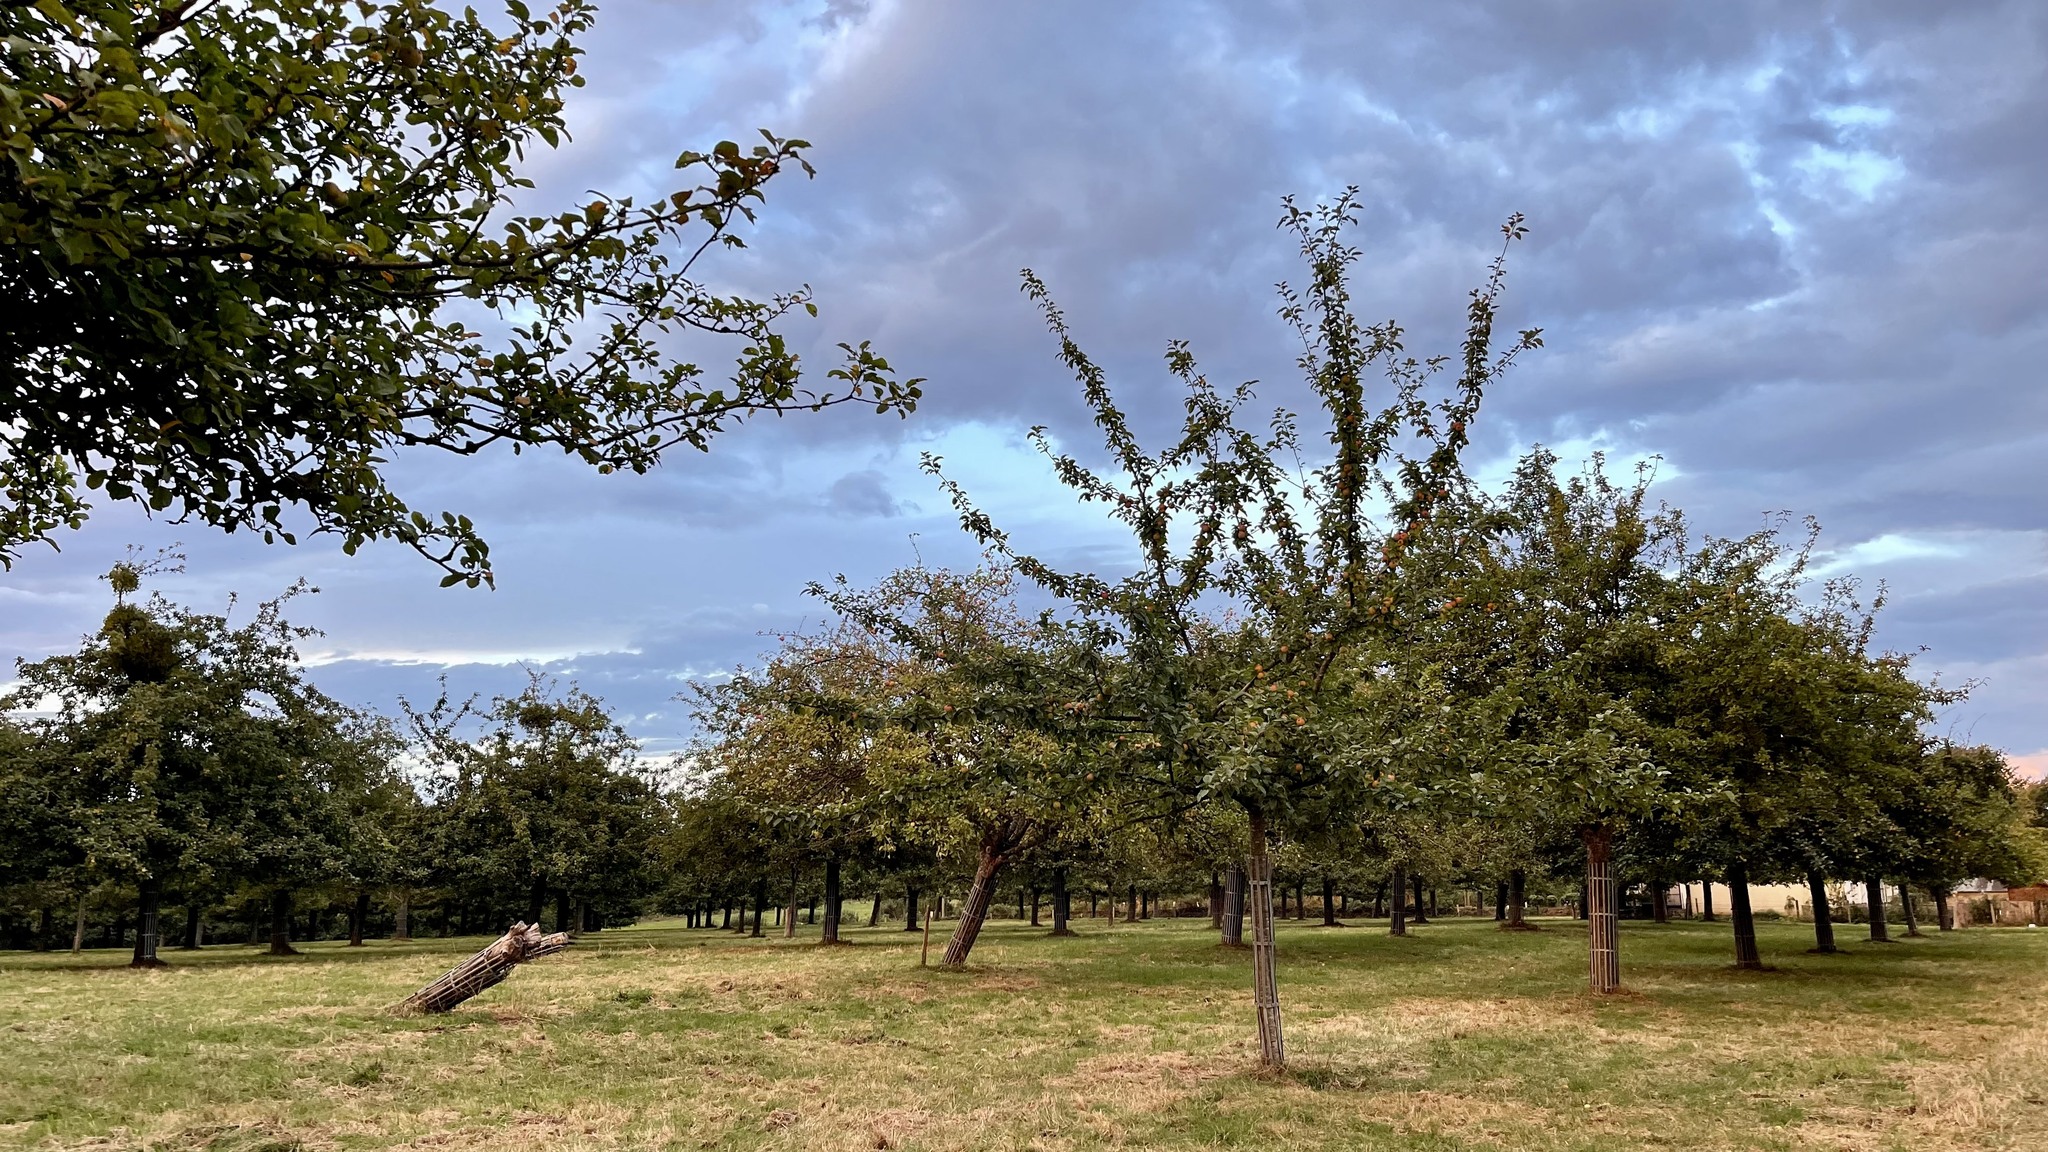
(1140, 1037)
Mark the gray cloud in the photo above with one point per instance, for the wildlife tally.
(1795, 252)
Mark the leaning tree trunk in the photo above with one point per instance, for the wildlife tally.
(487, 968)
(832, 901)
(1873, 891)
(1062, 903)
(1265, 974)
(1746, 954)
(281, 923)
(1603, 923)
(1233, 907)
(1330, 903)
(78, 929)
(974, 910)
(1823, 916)
(149, 909)
(1906, 906)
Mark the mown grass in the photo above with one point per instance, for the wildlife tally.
(1140, 1036)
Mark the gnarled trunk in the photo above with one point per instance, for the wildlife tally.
(1518, 900)
(281, 923)
(1873, 891)
(1746, 954)
(974, 910)
(832, 901)
(1602, 918)
(1823, 916)
(1265, 973)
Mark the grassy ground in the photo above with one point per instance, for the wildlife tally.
(657, 1037)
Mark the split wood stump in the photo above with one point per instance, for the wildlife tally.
(521, 943)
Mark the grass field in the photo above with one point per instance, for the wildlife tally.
(658, 1037)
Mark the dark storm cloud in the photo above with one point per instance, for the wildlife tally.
(1794, 251)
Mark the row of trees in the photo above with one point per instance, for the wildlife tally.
(1367, 657)
(182, 759)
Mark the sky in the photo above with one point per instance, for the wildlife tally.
(1795, 254)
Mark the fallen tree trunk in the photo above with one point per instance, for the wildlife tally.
(521, 943)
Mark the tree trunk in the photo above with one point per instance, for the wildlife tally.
(1906, 907)
(1034, 909)
(832, 901)
(1707, 901)
(1233, 907)
(401, 927)
(536, 898)
(1265, 973)
(1215, 901)
(1300, 899)
(149, 908)
(789, 922)
(1823, 916)
(1604, 947)
(1330, 903)
(1416, 882)
(1062, 903)
(485, 969)
(357, 914)
(194, 923)
(78, 929)
(1873, 891)
(1135, 912)
(1397, 911)
(281, 923)
(975, 909)
(1944, 919)
(1500, 903)
(811, 911)
(875, 913)
(760, 904)
(1659, 913)
(1518, 900)
(1746, 955)
(910, 896)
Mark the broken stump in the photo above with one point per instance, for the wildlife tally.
(521, 943)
